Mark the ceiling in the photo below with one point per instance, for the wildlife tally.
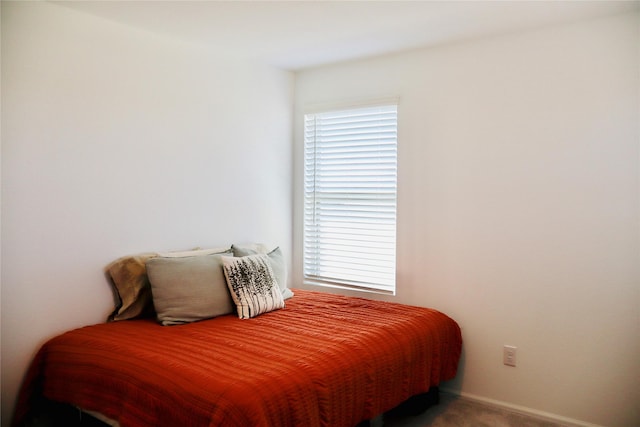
(301, 34)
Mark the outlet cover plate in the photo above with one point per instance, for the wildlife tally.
(509, 355)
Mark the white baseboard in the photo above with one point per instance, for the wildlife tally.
(546, 416)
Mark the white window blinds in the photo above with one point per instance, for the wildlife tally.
(350, 174)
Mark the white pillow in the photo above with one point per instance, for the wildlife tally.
(194, 252)
(252, 285)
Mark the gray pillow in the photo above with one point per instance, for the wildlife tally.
(276, 258)
(188, 289)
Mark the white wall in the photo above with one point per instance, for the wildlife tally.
(115, 141)
(518, 207)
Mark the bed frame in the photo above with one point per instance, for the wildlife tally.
(48, 413)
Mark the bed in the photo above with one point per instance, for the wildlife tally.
(322, 360)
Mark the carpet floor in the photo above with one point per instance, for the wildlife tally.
(454, 411)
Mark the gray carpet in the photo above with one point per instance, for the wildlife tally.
(454, 411)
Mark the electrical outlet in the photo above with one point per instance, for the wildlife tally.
(509, 355)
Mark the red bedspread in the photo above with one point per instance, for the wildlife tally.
(324, 360)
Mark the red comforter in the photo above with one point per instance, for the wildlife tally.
(324, 360)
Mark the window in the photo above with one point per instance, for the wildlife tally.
(350, 182)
